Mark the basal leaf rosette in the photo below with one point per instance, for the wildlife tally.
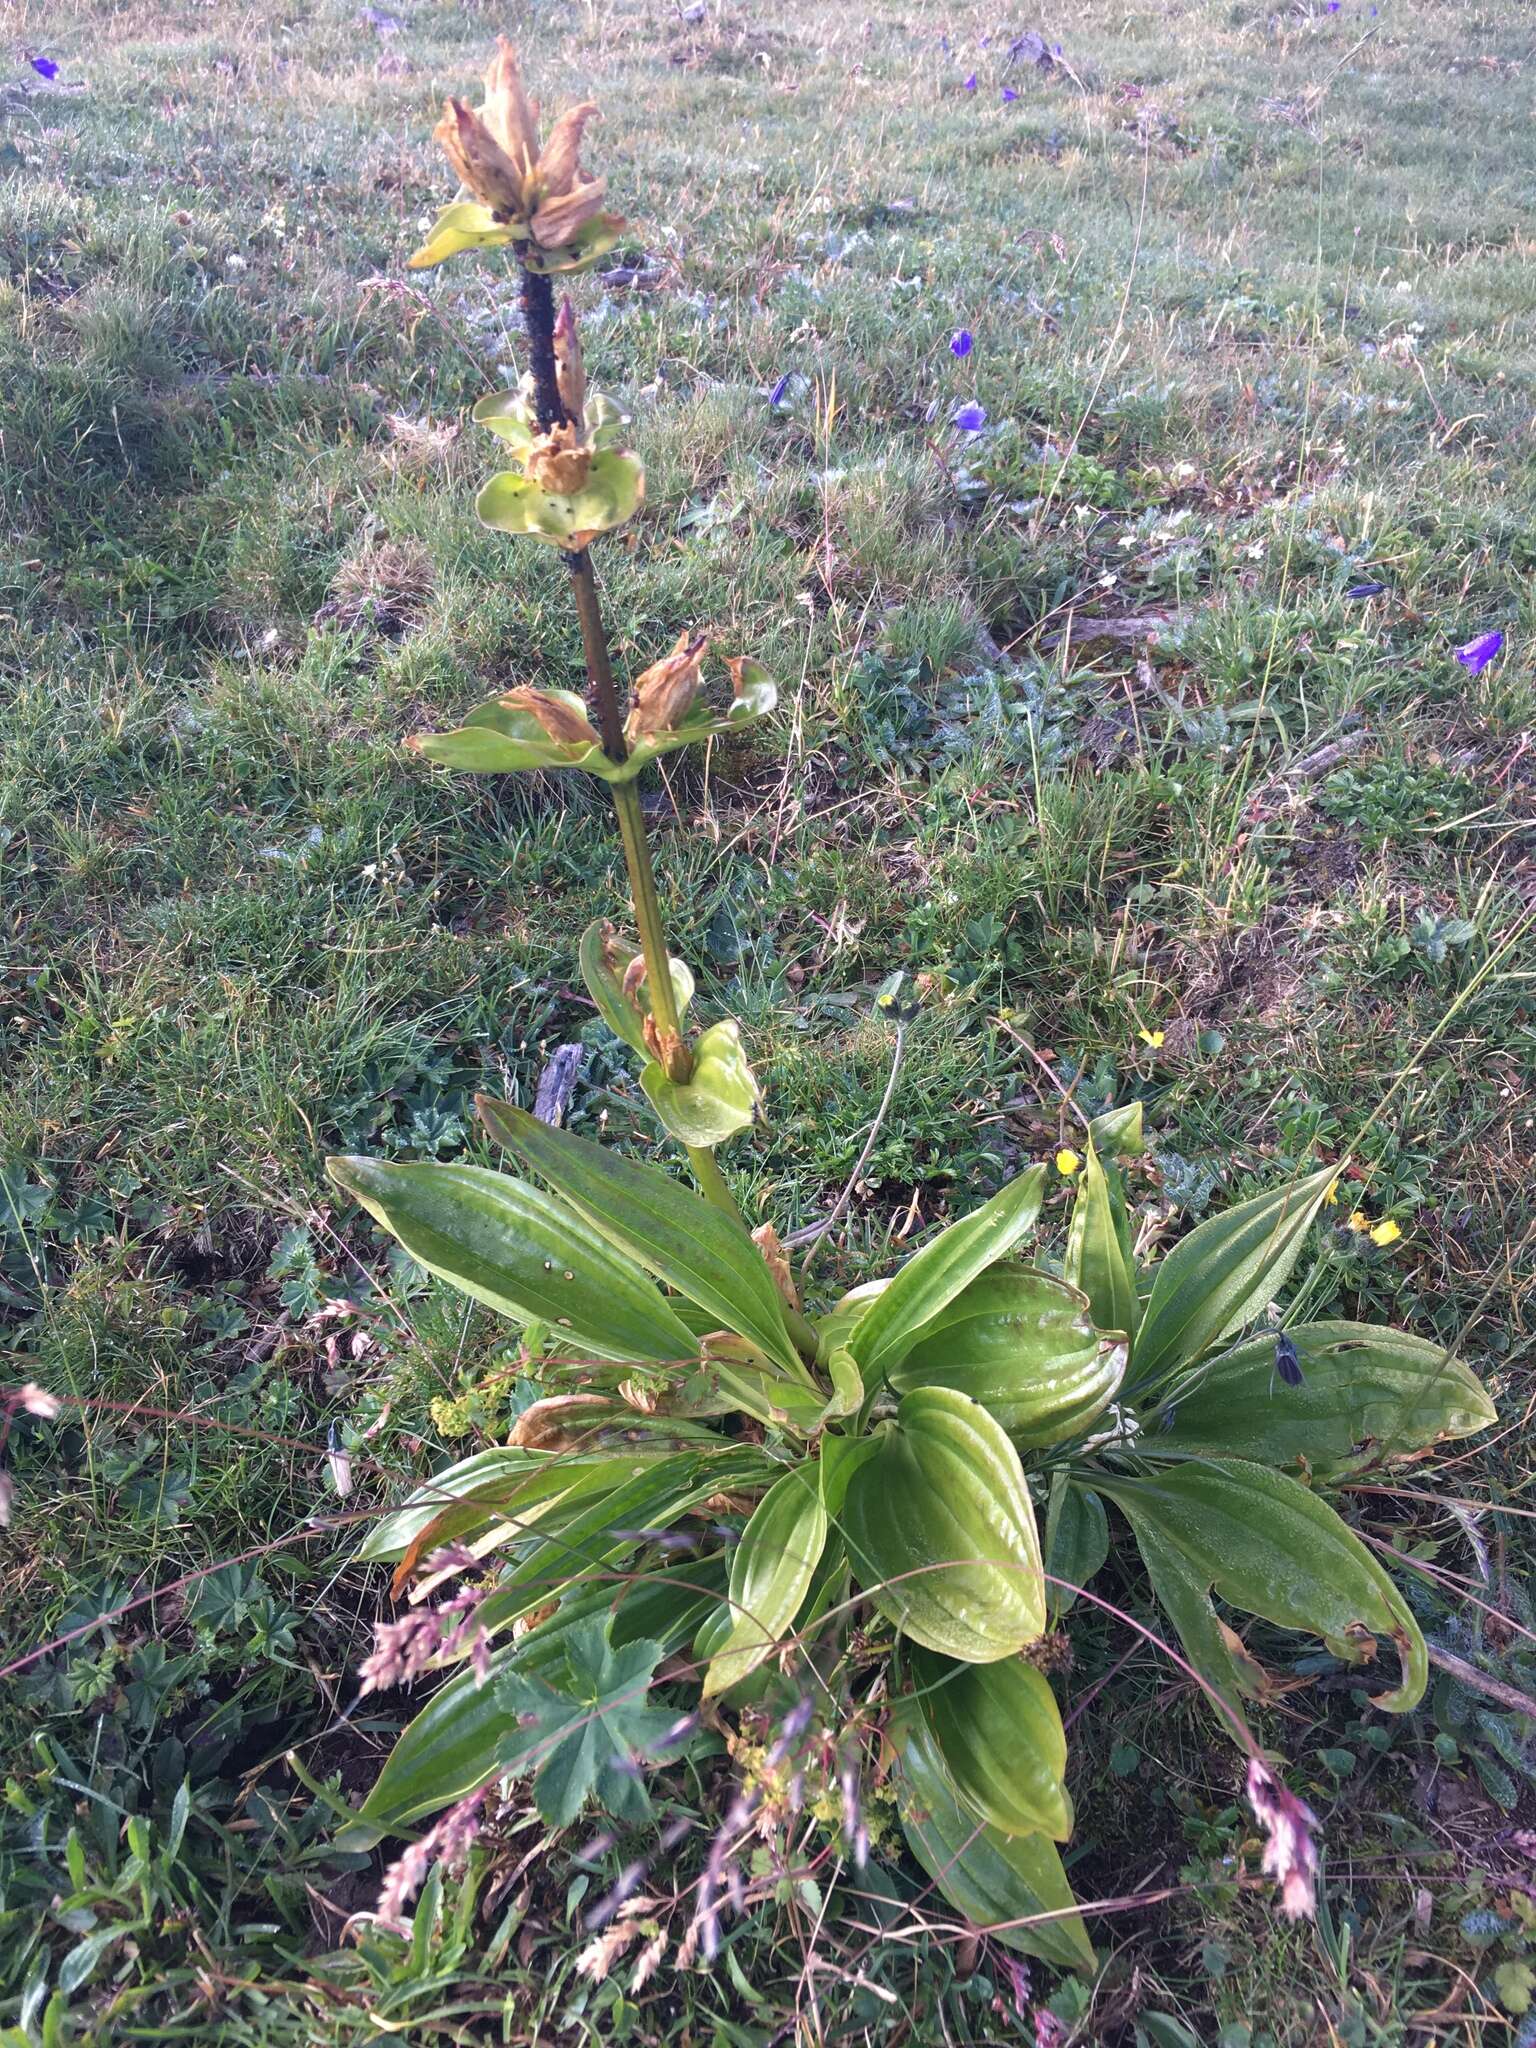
(517, 189)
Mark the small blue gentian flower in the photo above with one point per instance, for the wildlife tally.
(970, 419)
(44, 67)
(776, 395)
(1477, 654)
(1287, 1360)
(961, 342)
(970, 83)
(1009, 95)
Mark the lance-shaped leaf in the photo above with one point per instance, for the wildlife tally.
(606, 957)
(1367, 1394)
(1225, 1273)
(718, 1099)
(504, 737)
(678, 1237)
(998, 1729)
(613, 492)
(450, 1748)
(941, 1531)
(1076, 1541)
(1012, 1886)
(601, 1529)
(771, 1571)
(931, 1279)
(1099, 1257)
(464, 225)
(1022, 1344)
(518, 1250)
(1270, 1547)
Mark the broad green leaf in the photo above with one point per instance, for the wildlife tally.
(1022, 1344)
(841, 1457)
(931, 1279)
(1225, 1273)
(509, 1245)
(847, 1387)
(1367, 1395)
(998, 1729)
(465, 225)
(941, 1532)
(779, 1551)
(584, 1727)
(503, 1465)
(1098, 1252)
(504, 738)
(1076, 1541)
(1118, 1132)
(613, 492)
(1270, 1547)
(1013, 1886)
(450, 1747)
(721, 1096)
(1183, 1592)
(606, 956)
(671, 1232)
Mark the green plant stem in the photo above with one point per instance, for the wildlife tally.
(538, 300)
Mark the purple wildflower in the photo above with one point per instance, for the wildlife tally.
(1290, 1854)
(970, 419)
(447, 1842)
(404, 1649)
(961, 342)
(1365, 590)
(1009, 95)
(1334, 6)
(44, 67)
(970, 83)
(1477, 654)
(776, 395)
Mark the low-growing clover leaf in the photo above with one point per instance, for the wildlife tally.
(586, 1730)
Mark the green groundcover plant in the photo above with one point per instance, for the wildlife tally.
(882, 1512)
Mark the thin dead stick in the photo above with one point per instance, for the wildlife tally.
(1468, 1674)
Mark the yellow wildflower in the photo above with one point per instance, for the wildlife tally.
(1067, 1161)
(1386, 1232)
(1152, 1038)
(1359, 1220)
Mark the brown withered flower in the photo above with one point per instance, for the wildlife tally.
(559, 461)
(554, 715)
(497, 154)
(664, 691)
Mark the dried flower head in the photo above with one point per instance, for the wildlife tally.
(558, 719)
(497, 155)
(559, 461)
(665, 691)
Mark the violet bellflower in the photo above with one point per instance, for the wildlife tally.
(970, 419)
(44, 67)
(1477, 654)
(961, 342)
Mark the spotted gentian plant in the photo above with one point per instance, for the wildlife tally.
(902, 1492)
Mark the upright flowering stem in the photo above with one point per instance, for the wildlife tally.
(539, 318)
